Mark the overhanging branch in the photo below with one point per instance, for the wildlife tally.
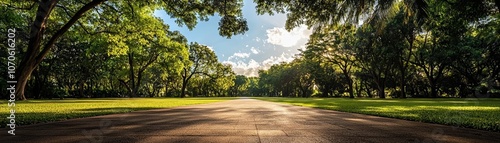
(65, 28)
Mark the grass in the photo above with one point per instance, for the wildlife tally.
(40, 111)
(475, 113)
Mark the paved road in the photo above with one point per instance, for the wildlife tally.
(243, 120)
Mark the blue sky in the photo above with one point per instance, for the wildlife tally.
(266, 43)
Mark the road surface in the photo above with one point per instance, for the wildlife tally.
(242, 120)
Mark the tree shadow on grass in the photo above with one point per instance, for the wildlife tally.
(137, 126)
(484, 118)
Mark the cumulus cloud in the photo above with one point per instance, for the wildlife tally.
(239, 55)
(248, 69)
(280, 36)
(252, 67)
(266, 64)
(254, 50)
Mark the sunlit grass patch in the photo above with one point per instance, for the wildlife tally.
(472, 113)
(39, 111)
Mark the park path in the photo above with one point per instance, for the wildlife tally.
(242, 120)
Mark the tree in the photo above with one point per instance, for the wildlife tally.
(240, 85)
(144, 40)
(222, 79)
(324, 76)
(202, 60)
(42, 39)
(335, 44)
(442, 40)
(254, 89)
(302, 77)
(368, 51)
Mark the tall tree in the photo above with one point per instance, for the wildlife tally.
(144, 40)
(335, 44)
(202, 60)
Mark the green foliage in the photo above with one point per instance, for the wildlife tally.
(411, 48)
(471, 113)
(204, 75)
(129, 28)
(287, 80)
(241, 85)
(312, 13)
(116, 47)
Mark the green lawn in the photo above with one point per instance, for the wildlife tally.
(39, 111)
(472, 113)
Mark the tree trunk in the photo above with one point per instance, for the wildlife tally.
(80, 89)
(381, 88)
(38, 85)
(28, 63)
(33, 55)
(183, 89)
(131, 75)
(402, 85)
(463, 91)
(325, 93)
(304, 92)
(22, 80)
(349, 82)
(138, 84)
(381, 92)
(351, 91)
(433, 91)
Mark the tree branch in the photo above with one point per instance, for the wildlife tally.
(65, 28)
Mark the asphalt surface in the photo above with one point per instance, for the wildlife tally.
(242, 120)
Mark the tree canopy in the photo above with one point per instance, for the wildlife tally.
(410, 48)
(50, 21)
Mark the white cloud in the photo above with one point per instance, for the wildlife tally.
(280, 36)
(303, 47)
(239, 55)
(254, 50)
(248, 69)
(246, 46)
(252, 67)
(276, 60)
